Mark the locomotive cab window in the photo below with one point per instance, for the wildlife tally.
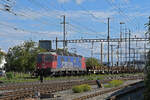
(39, 58)
(55, 58)
(48, 58)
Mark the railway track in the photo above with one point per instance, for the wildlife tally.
(131, 89)
(139, 86)
(38, 84)
(25, 91)
(29, 90)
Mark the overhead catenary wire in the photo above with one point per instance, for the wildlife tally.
(85, 32)
(87, 28)
(119, 10)
(23, 30)
(91, 14)
(73, 26)
(78, 24)
(95, 17)
(10, 2)
(24, 14)
(47, 8)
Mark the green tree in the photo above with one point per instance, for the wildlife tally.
(148, 28)
(22, 58)
(147, 68)
(147, 78)
(92, 62)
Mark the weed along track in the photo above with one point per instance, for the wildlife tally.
(18, 92)
(135, 85)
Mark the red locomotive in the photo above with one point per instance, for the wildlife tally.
(52, 63)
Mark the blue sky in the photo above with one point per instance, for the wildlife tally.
(40, 19)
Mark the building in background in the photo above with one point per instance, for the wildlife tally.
(2, 66)
(45, 44)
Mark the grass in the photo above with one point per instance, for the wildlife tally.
(81, 88)
(113, 83)
(85, 77)
(22, 77)
(17, 78)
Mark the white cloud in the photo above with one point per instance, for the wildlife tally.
(50, 33)
(10, 37)
(63, 1)
(10, 30)
(28, 14)
(103, 14)
(113, 0)
(9, 42)
(66, 1)
(79, 1)
(1, 6)
(126, 1)
(139, 14)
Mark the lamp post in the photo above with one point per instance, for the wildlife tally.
(121, 34)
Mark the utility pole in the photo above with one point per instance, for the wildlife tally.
(126, 45)
(101, 52)
(149, 28)
(118, 54)
(56, 43)
(112, 55)
(121, 34)
(145, 56)
(136, 42)
(108, 42)
(92, 49)
(134, 57)
(129, 46)
(64, 32)
(145, 49)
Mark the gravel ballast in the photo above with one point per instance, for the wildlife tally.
(69, 95)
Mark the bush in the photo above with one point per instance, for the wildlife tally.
(81, 88)
(92, 63)
(86, 87)
(116, 83)
(77, 89)
(9, 75)
(90, 78)
(113, 83)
